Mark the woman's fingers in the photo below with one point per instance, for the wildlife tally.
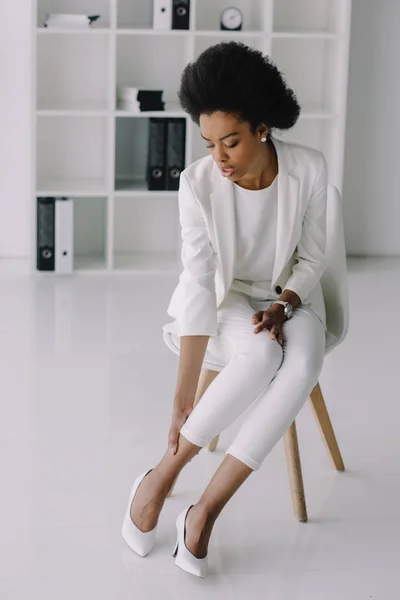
(276, 333)
(257, 316)
(265, 323)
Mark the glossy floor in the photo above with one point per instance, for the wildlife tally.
(86, 388)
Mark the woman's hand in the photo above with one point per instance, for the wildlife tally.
(180, 413)
(271, 319)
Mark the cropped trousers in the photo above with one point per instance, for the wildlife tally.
(256, 373)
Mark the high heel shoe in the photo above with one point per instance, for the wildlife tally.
(139, 541)
(184, 558)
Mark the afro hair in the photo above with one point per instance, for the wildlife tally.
(234, 78)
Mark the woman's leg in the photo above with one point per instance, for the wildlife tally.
(277, 407)
(269, 419)
(152, 492)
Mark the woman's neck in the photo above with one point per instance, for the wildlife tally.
(268, 170)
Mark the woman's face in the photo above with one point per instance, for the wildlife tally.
(233, 146)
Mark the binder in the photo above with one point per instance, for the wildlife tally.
(162, 14)
(64, 235)
(156, 175)
(175, 152)
(180, 14)
(45, 239)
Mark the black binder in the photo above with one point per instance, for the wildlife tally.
(180, 14)
(156, 175)
(175, 152)
(45, 234)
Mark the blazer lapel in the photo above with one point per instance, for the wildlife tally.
(288, 203)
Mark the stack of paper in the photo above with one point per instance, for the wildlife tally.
(69, 21)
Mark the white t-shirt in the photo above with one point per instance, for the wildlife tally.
(256, 226)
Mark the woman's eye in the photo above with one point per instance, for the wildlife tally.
(233, 145)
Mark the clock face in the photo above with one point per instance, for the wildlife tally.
(231, 18)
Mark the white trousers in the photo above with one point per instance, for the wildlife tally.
(276, 380)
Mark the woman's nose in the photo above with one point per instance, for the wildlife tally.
(220, 155)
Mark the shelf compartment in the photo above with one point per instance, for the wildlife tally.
(86, 7)
(318, 16)
(72, 72)
(146, 232)
(131, 155)
(72, 155)
(310, 69)
(151, 63)
(90, 233)
(138, 15)
(209, 12)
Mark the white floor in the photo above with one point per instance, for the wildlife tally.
(86, 389)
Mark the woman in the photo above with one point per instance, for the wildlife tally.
(249, 301)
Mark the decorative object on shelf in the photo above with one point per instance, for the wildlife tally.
(166, 153)
(55, 234)
(64, 235)
(231, 19)
(45, 238)
(69, 21)
(135, 100)
(171, 14)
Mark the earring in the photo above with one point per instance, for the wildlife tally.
(264, 139)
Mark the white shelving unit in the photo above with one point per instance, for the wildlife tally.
(89, 149)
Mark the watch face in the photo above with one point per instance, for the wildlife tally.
(231, 18)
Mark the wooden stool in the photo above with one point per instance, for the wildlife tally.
(291, 443)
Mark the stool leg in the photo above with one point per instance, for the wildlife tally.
(325, 427)
(295, 475)
(206, 378)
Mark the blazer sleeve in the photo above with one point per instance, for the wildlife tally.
(310, 250)
(198, 299)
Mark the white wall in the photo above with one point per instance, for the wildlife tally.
(372, 161)
(372, 199)
(15, 127)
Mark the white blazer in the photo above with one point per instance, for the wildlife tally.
(207, 218)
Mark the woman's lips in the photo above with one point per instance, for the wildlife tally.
(227, 172)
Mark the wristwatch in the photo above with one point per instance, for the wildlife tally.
(288, 308)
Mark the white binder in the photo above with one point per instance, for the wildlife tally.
(64, 235)
(162, 14)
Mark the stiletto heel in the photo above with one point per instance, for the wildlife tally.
(185, 560)
(139, 541)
